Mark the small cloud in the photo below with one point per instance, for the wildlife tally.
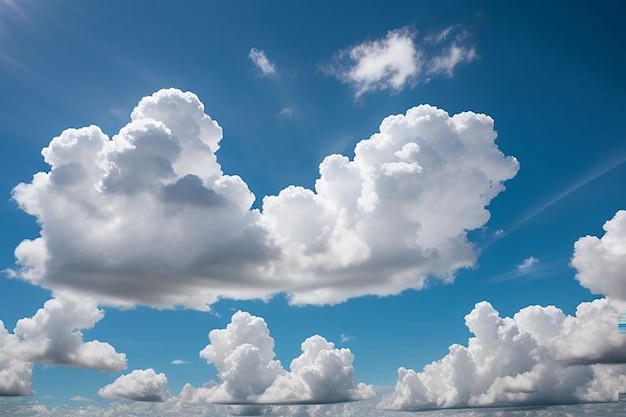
(344, 338)
(286, 112)
(438, 37)
(527, 264)
(179, 362)
(389, 63)
(139, 385)
(401, 59)
(266, 66)
(449, 59)
(79, 398)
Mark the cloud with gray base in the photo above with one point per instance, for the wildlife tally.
(540, 356)
(15, 374)
(139, 385)
(401, 60)
(156, 206)
(249, 373)
(53, 337)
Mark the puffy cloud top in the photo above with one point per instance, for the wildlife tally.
(538, 357)
(139, 385)
(148, 216)
(601, 262)
(243, 354)
(53, 336)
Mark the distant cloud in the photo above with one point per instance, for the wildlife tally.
(400, 60)
(243, 354)
(179, 362)
(139, 385)
(344, 338)
(527, 264)
(440, 36)
(261, 61)
(540, 356)
(450, 59)
(286, 112)
(79, 398)
(158, 205)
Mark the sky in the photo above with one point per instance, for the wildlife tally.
(273, 205)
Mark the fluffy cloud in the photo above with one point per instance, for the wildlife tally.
(139, 385)
(601, 262)
(148, 217)
(243, 354)
(538, 357)
(398, 60)
(15, 374)
(261, 61)
(541, 355)
(52, 336)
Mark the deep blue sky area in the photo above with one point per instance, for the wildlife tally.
(550, 74)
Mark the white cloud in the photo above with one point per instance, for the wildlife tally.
(243, 354)
(527, 264)
(179, 362)
(601, 262)
(121, 217)
(344, 338)
(539, 356)
(139, 385)
(388, 63)
(400, 59)
(15, 374)
(80, 398)
(52, 336)
(261, 61)
(450, 59)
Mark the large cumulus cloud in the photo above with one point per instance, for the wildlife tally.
(148, 216)
(243, 354)
(540, 355)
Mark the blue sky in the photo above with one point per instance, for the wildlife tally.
(550, 76)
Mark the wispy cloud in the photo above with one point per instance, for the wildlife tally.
(527, 264)
(401, 60)
(344, 338)
(179, 362)
(604, 168)
(267, 67)
(286, 112)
